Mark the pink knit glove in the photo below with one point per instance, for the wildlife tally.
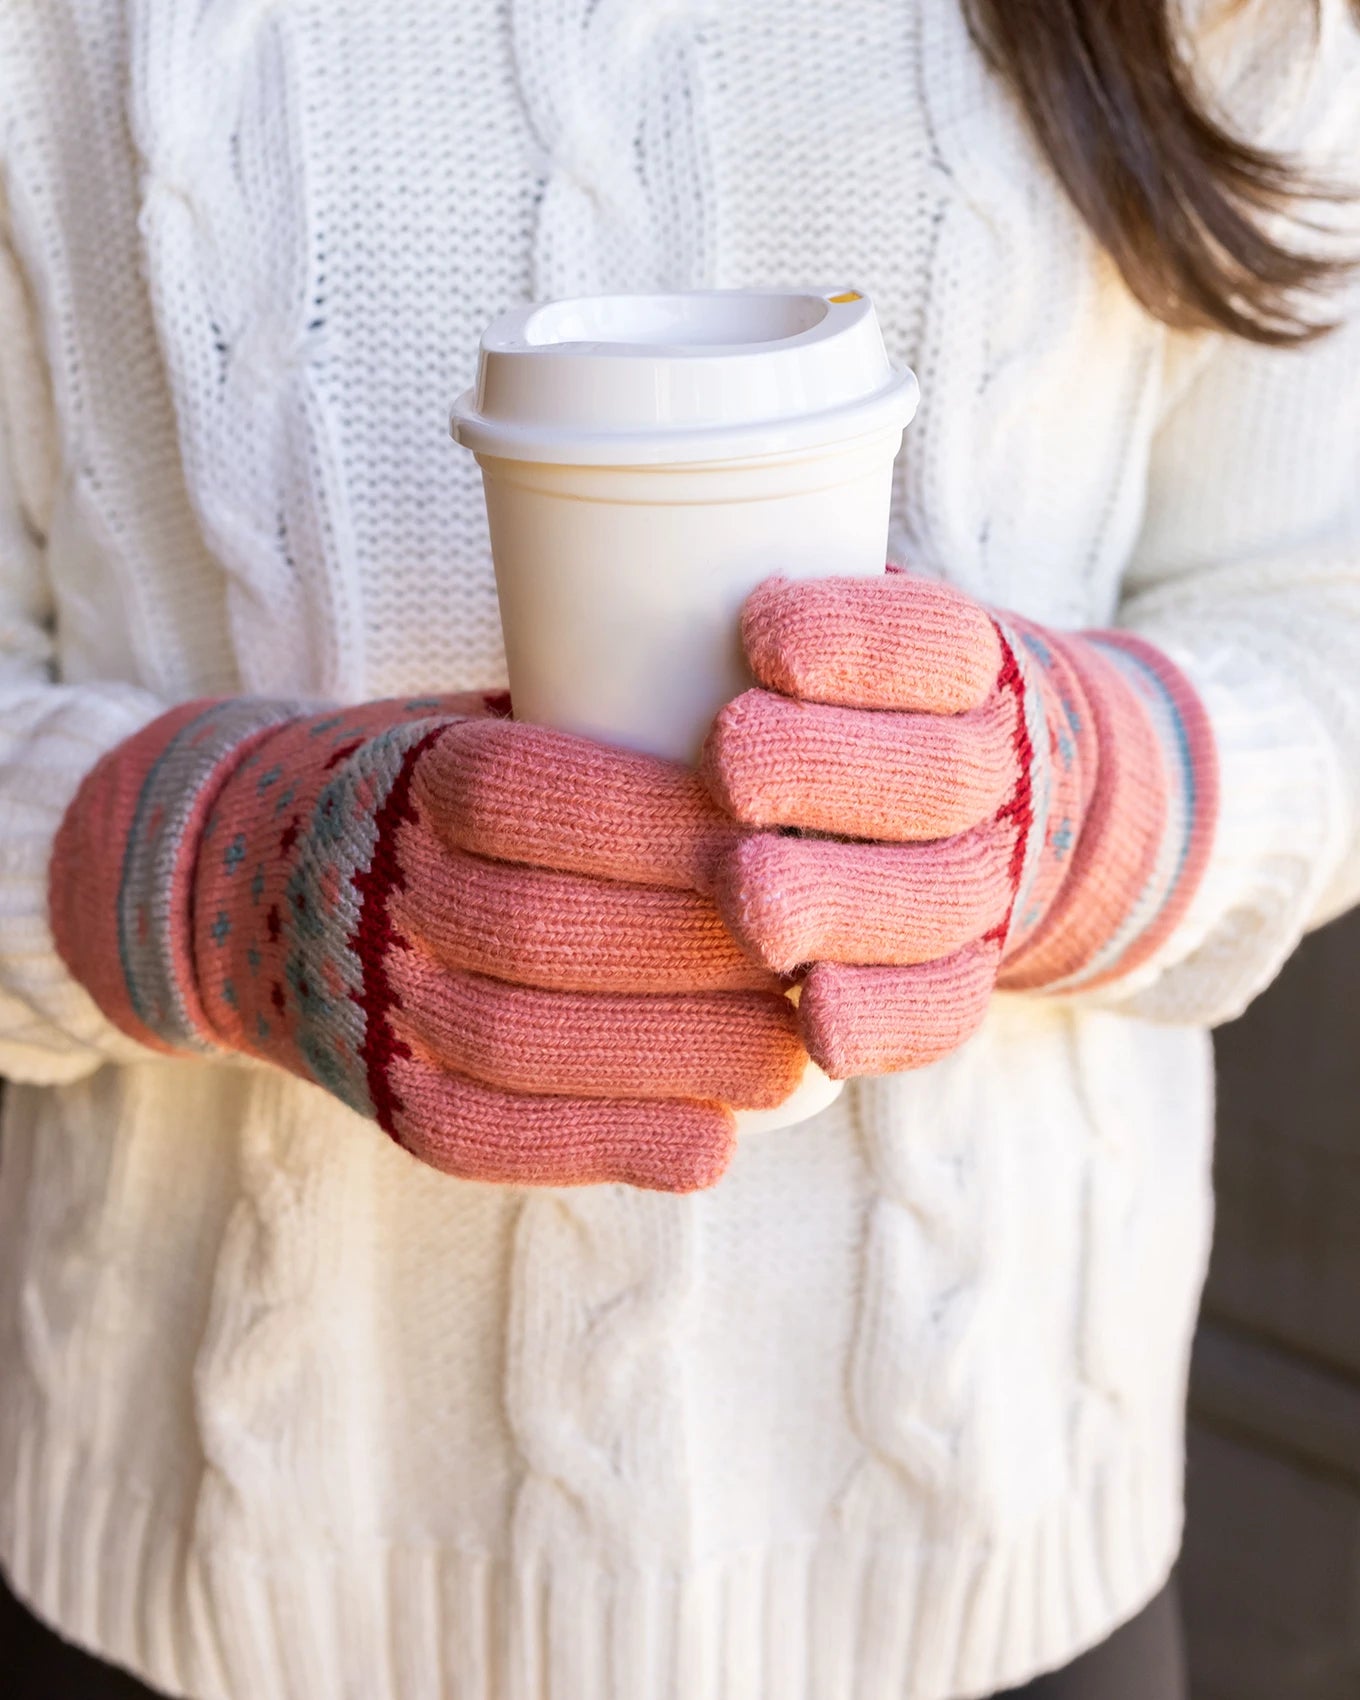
(977, 801)
(488, 937)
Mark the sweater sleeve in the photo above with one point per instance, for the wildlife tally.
(1247, 570)
(50, 734)
(1248, 577)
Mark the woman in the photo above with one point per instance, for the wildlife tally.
(312, 1387)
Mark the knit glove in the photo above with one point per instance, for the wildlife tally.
(488, 937)
(955, 800)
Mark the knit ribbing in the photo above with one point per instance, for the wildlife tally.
(1120, 838)
(123, 861)
(1190, 767)
(441, 1623)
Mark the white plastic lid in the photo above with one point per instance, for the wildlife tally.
(652, 380)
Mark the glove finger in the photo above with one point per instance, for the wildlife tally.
(885, 1020)
(774, 762)
(899, 642)
(737, 1047)
(564, 932)
(796, 900)
(522, 793)
(483, 1133)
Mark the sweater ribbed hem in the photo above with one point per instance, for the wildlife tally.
(863, 1616)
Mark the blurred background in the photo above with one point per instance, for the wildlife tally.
(1272, 1562)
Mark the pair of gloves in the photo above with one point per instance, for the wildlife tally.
(534, 960)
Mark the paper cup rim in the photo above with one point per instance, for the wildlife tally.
(892, 406)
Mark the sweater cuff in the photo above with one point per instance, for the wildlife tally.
(1279, 832)
(51, 1029)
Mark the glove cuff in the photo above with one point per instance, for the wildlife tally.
(120, 881)
(1149, 828)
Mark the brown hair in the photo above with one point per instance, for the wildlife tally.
(1176, 199)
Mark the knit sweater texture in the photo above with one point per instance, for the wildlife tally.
(894, 1412)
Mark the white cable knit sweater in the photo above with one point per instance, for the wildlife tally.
(895, 1412)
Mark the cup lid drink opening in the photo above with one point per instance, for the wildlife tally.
(654, 380)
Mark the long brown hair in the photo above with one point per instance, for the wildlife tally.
(1180, 203)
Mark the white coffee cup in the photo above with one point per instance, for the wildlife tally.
(647, 462)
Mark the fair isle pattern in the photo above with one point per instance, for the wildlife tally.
(1042, 776)
(176, 794)
(283, 957)
(314, 894)
(1066, 751)
(324, 968)
(1191, 775)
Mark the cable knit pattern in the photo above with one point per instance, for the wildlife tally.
(226, 248)
(612, 93)
(896, 1409)
(595, 1394)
